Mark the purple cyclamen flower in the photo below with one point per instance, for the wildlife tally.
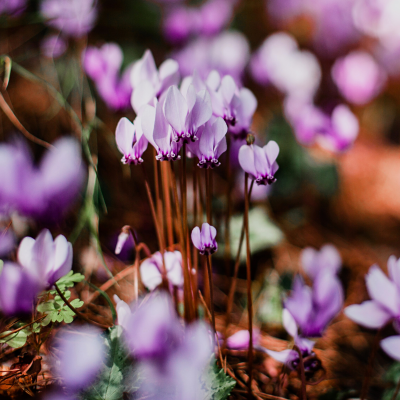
(149, 83)
(151, 269)
(358, 77)
(241, 339)
(260, 162)
(327, 260)
(103, 66)
(391, 346)
(7, 242)
(45, 259)
(153, 330)
(74, 18)
(212, 143)
(81, 355)
(204, 240)
(159, 133)
(186, 114)
(131, 141)
(18, 289)
(12, 7)
(53, 46)
(123, 311)
(385, 297)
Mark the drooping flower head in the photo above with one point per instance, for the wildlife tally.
(131, 141)
(204, 240)
(260, 162)
(74, 18)
(148, 83)
(151, 269)
(212, 143)
(45, 259)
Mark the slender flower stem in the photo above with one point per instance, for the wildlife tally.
(22, 327)
(209, 195)
(236, 270)
(368, 374)
(227, 252)
(211, 291)
(302, 374)
(167, 200)
(159, 203)
(189, 315)
(195, 223)
(184, 192)
(248, 268)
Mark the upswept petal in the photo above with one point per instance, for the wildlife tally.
(213, 232)
(148, 70)
(173, 265)
(124, 135)
(190, 97)
(284, 356)
(271, 150)
(63, 258)
(205, 233)
(246, 159)
(219, 129)
(143, 94)
(148, 118)
(249, 103)
(228, 89)
(150, 274)
(382, 290)
(25, 252)
(391, 346)
(175, 109)
(161, 134)
(168, 74)
(308, 259)
(331, 258)
(206, 141)
(260, 161)
(394, 270)
(213, 80)
(43, 253)
(289, 323)
(123, 311)
(202, 110)
(221, 148)
(368, 314)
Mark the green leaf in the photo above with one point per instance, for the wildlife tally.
(68, 280)
(117, 375)
(392, 376)
(15, 340)
(216, 383)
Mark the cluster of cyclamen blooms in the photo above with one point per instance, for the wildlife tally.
(384, 305)
(41, 262)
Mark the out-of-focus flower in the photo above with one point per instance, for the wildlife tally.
(130, 141)
(204, 240)
(153, 330)
(227, 53)
(103, 66)
(385, 295)
(151, 269)
(159, 133)
(44, 259)
(358, 77)
(81, 356)
(18, 290)
(327, 260)
(212, 143)
(187, 114)
(260, 162)
(123, 311)
(391, 346)
(149, 83)
(53, 46)
(241, 339)
(294, 72)
(7, 242)
(73, 18)
(208, 19)
(43, 192)
(12, 7)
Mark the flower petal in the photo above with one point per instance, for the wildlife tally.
(246, 160)
(124, 136)
(175, 109)
(369, 314)
(391, 346)
(196, 240)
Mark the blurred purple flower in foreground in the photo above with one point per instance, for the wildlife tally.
(212, 143)
(131, 141)
(204, 240)
(240, 340)
(44, 259)
(358, 77)
(260, 162)
(148, 83)
(74, 18)
(53, 46)
(81, 354)
(12, 7)
(103, 66)
(151, 269)
(18, 289)
(45, 191)
(391, 346)
(385, 295)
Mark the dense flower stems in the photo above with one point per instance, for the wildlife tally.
(368, 374)
(184, 194)
(195, 216)
(302, 374)
(188, 304)
(248, 269)
(236, 270)
(159, 202)
(167, 200)
(21, 328)
(209, 270)
(227, 249)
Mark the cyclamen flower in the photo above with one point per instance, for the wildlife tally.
(103, 66)
(241, 339)
(131, 141)
(18, 289)
(149, 83)
(81, 356)
(159, 133)
(204, 240)
(212, 143)
(12, 7)
(44, 259)
(151, 269)
(358, 77)
(391, 346)
(187, 114)
(385, 298)
(74, 18)
(260, 162)
(53, 46)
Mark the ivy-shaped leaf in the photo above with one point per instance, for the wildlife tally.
(15, 340)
